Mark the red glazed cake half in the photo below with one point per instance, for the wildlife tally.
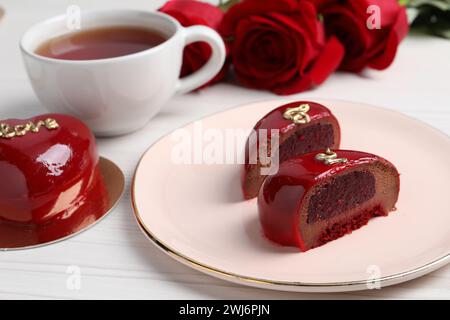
(319, 197)
(303, 126)
(48, 166)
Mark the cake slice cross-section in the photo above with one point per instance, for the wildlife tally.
(321, 196)
(303, 126)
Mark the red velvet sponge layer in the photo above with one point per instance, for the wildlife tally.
(344, 193)
(312, 138)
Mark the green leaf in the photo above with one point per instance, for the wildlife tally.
(441, 28)
(432, 16)
(434, 21)
(442, 5)
(225, 5)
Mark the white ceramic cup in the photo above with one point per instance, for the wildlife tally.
(117, 95)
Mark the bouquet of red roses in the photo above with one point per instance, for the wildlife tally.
(288, 46)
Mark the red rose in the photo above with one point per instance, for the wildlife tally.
(364, 46)
(279, 45)
(188, 13)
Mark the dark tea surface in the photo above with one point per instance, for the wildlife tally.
(100, 43)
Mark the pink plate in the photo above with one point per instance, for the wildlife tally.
(195, 212)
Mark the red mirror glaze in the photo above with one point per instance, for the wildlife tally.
(47, 173)
(13, 235)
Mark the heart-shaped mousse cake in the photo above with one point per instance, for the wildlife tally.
(48, 165)
(302, 126)
(321, 196)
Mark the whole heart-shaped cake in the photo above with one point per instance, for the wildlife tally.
(48, 168)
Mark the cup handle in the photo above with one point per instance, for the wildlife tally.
(212, 66)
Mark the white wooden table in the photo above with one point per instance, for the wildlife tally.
(115, 259)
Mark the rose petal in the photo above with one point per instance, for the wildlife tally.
(352, 33)
(286, 26)
(263, 74)
(246, 8)
(387, 55)
(193, 10)
(188, 13)
(327, 62)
